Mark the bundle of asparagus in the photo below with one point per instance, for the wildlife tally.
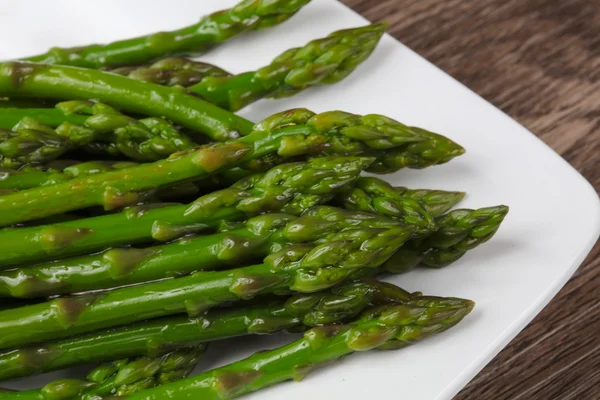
(284, 233)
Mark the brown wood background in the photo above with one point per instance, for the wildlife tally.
(539, 61)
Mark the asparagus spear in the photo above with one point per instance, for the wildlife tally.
(458, 232)
(121, 378)
(51, 116)
(29, 80)
(305, 268)
(118, 188)
(436, 202)
(418, 207)
(253, 241)
(384, 327)
(289, 188)
(153, 338)
(12, 181)
(288, 134)
(322, 61)
(43, 81)
(30, 142)
(147, 139)
(454, 234)
(377, 196)
(173, 71)
(124, 377)
(434, 150)
(195, 39)
(28, 178)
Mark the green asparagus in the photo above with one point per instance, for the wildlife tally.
(153, 338)
(288, 134)
(173, 71)
(32, 142)
(28, 178)
(414, 207)
(436, 202)
(253, 241)
(289, 188)
(458, 232)
(434, 150)
(322, 61)
(31, 176)
(385, 327)
(304, 268)
(122, 377)
(50, 116)
(35, 80)
(148, 139)
(118, 188)
(454, 233)
(28, 80)
(195, 39)
(349, 127)
(377, 196)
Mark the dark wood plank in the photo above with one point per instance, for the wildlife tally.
(539, 61)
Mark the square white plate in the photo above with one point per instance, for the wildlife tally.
(553, 222)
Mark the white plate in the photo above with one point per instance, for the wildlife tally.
(553, 222)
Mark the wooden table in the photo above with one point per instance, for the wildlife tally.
(539, 61)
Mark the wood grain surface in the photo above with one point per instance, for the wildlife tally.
(539, 61)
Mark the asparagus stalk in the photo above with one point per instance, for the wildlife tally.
(118, 188)
(123, 266)
(385, 327)
(304, 268)
(288, 134)
(350, 128)
(122, 377)
(31, 142)
(51, 116)
(84, 122)
(28, 178)
(29, 80)
(173, 71)
(195, 39)
(12, 181)
(253, 241)
(25, 80)
(152, 338)
(289, 188)
(377, 196)
(434, 150)
(458, 232)
(453, 235)
(321, 61)
(417, 207)
(436, 202)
